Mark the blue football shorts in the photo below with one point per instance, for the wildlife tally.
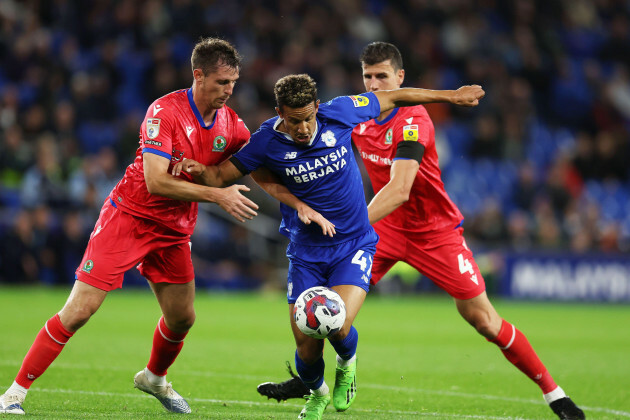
(345, 263)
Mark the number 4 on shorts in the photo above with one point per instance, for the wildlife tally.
(466, 267)
(362, 261)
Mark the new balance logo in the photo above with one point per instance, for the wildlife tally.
(290, 155)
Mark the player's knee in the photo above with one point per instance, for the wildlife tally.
(181, 323)
(342, 333)
(485, 329)
(309, 355)
(310, 350)
(480, 321)
(485, 325)
(75, 317)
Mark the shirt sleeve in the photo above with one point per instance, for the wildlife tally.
(253, 154)
(351, 110)
(156, 132)
(242, 133)
(416, 127)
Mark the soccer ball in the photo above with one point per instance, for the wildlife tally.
(319, 312)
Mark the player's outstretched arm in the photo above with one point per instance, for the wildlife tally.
(464, 96)
(211, 176)
(160, 182)
(274, 187)
(396, 191)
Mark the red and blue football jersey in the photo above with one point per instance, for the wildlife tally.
(174, 129)
(429, 207)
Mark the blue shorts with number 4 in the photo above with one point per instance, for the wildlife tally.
(345, 263)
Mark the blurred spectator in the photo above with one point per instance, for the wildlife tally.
(584, 160)
(90, 184)
(526, 188)
(488, 141)
(15, 156)
(519, 229)
(19, 261)
(70, 242)
(489, 225)
(611, 154)
(43, 183)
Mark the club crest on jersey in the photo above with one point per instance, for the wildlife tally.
(219, 144)
(389, 136)
(329, 138)
(153, 127)
(88, 266)
(359, 101)
(410, 132)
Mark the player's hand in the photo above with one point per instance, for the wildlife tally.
(308, 215)
(468, 95)
(190, 166)
(236, 204)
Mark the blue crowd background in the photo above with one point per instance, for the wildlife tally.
(541, 164)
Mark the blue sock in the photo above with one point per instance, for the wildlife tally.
(311, 375)
(347, 347)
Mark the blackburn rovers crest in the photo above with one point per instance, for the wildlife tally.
(389, 136)
(219, 144)
(88, 266)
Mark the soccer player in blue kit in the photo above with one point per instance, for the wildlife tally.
(307, 148)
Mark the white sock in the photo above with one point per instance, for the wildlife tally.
(343, 363)
(154, 379)
(554, 395)
(322, 390)
(17, 389)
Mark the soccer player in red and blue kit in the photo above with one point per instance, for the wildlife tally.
(418, 223)
(147, 221)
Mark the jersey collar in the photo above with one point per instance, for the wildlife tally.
(388, 118)
(288, 137)
(197, 113)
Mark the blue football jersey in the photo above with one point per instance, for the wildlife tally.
(323, 174)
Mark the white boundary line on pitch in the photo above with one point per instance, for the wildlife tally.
(366, 385)
(266, 403)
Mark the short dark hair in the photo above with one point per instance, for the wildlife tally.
(295, 91)
(210, 53)
(377, 52)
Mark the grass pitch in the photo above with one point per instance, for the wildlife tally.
(417, 359)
